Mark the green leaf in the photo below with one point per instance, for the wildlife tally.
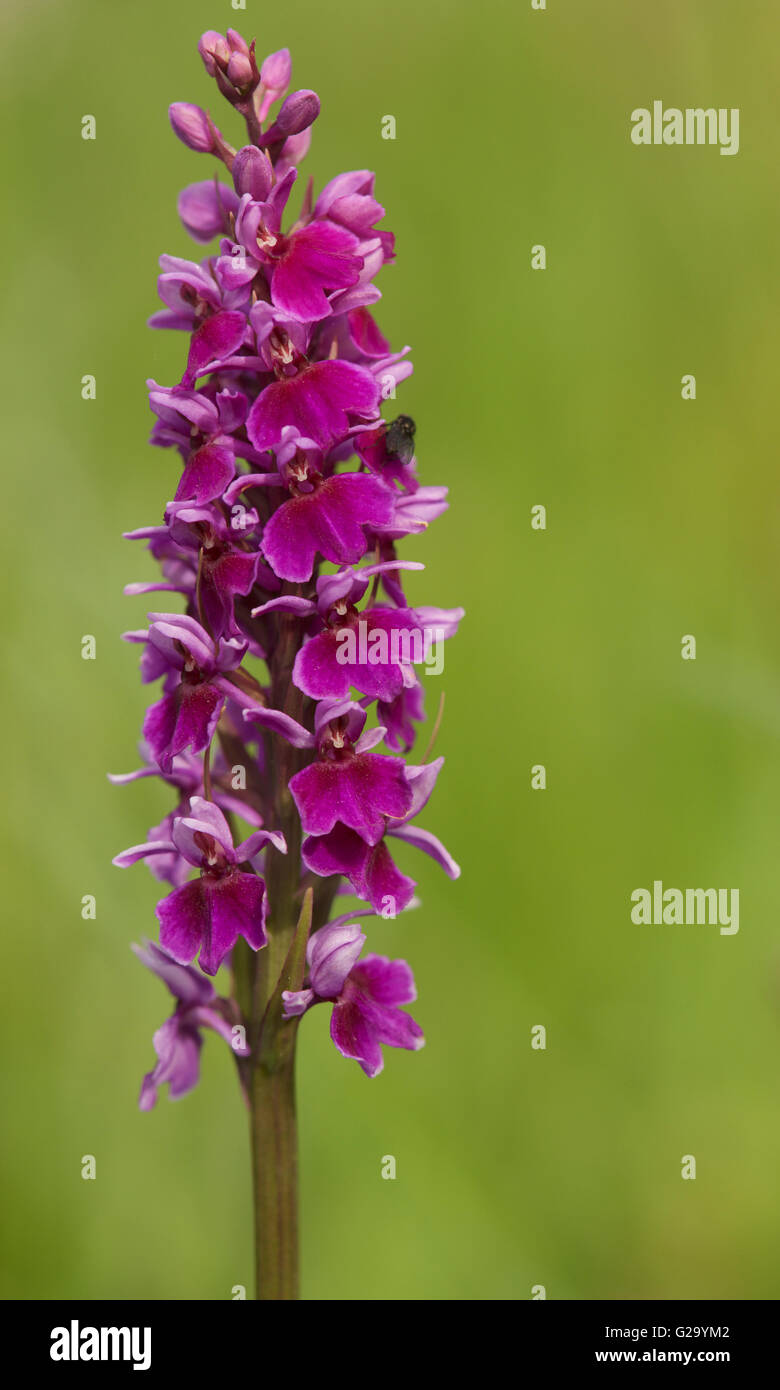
(277, 1034)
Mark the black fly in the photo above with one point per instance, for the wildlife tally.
(399, 439)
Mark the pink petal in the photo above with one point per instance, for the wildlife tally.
(318, 402)
(183, 918)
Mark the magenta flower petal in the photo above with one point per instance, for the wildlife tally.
(275, 72)
(330, 520)
(131, 856)
(349, 199)
(178, 1063)
(237, 907)
(370, 869)
(354, 1037)
(389, 1025)
(200, 1017)
(207, 473)
(260, 839)
(280, 723)
(341, 851)
(183, 918)
(367, 1013)
(177, 637)
(187, 718)
(386, 982)
(371, 659)
(209, 915)
(178, 1042)
(383, 884)
(316, 259)
(319, 402)
(359, 791)
(297, 1001)
(429, 844)
(216, 339)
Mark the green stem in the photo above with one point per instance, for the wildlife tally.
(270, 1075)
(274, 1130)
(275, 1178)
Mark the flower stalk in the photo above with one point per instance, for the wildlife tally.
(297, 653)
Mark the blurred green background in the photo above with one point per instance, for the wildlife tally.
(514, 1167)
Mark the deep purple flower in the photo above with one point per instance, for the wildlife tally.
(370, 869)
(190, 292)
(305, 266)
(213, 342)
(366, 996)
(186, 716)
(324, 515)
(225, 902)
(203, 432)
(369, 866)
(373, 650)
(348, 782)
(178, 1042)
(228, 567)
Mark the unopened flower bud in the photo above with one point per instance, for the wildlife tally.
(239, 70)
(298, 112)
(213, 49)
(192, 126)
(252, 173)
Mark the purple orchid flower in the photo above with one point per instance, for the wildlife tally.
(374, 650)
(203, 432)
(190, 292)
(205, 917)
(369, 866)
(305, 266)
(366, 995)
(178, 1042)
(349, 201)
(214, 342)
(348, 782)
(228, 568)
(325, 515)
(187, 714)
